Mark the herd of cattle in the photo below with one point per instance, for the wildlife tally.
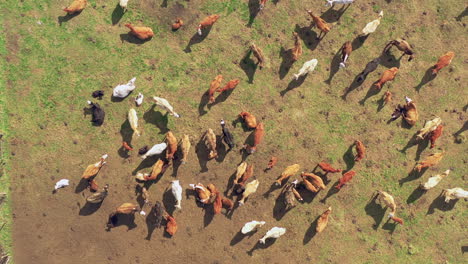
(245, 183)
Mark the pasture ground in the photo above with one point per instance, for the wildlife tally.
(50, 64)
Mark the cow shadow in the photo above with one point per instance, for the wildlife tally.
(428, 76)
(462, 14)
(239, 237)
(358, 42)
(119, 99)
(348, 158)
(249, 140)
(307, 196)
(390, 226)
(127, 220)
(220, 149)
(415, 195)
(157, 118)
(82, 185)
(89, 208)
(169, 201)
(413, 175)
(176, 162)
(333, 15)
(294, 84)
(202, 153)
(381, 104)
(196, 39)
(209, 215)
(373, 90)
(335, 66)
(203, 102)
(331, 191)
(280, 209)
(353, 86)
(67, 17)
(311, 232)
(88, 111)
(249, 66)
(139, 195)
(389, 60)
(150, 223)
(117, 14)
(126, 132)
(230, 184)
(421, 143)
(127, 37)
(146, 163)
(254, 9)
(464, 249)
(258, 245)
(461, 130)
(286, 63)
(323, 175)
(405, 124)
(440, 204)
(221, 98)
(308, 36)
(376, 211)
(244, 126)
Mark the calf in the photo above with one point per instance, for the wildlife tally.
(98, 94)
(297, 50)
(258, 53)
(360, 149)
(345, 179)
(177, 24)
(98, 113)
(443, 61)
(320, 23)
(258, 137)
(207, 22)
(346, 50)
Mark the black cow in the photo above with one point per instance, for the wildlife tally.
(370, 67)
(98, 94)
(98, 113)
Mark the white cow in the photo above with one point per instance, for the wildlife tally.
(454, 193)
(122, 90)
(133, 120)
(344, 2)
(155, 150)
(123, 4)
(434, 180)
(139, 99)
(275, 232)
(251, 226)
(164, 104)
(62, 183)
(372, 26)
(309, 66)
(177, 192)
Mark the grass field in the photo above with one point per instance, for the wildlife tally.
(51, 63)
(5, 205)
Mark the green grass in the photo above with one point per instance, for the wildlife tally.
(5, 207)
